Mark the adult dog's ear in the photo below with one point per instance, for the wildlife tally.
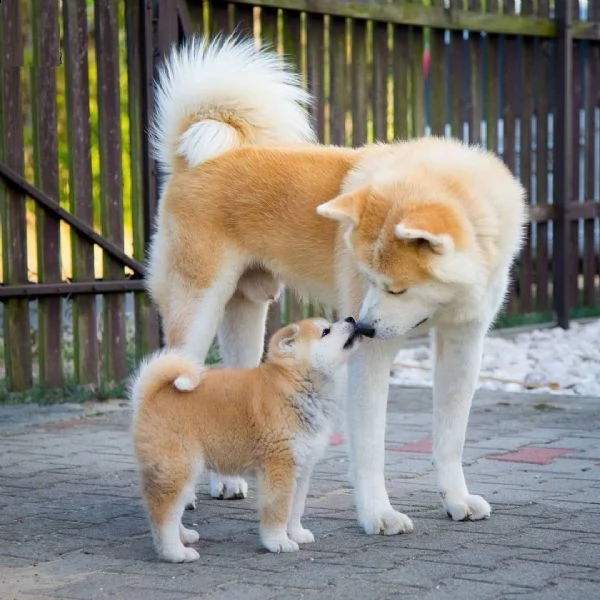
(346, 208)
(441, 244)
(436, 225)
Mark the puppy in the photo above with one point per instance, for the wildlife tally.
(273, 420)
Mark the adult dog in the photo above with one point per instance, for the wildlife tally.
(409, 236)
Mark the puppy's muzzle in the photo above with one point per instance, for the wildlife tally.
(364, 329)
(359, 330)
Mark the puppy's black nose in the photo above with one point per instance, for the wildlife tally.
(364, 329)
(349, 320)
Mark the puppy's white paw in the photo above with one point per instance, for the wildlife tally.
(469, 508)
(277, 541)
(180, 555)
(188, 536)
(191, 505)
(227, 488)
(387, 522)
(301, 535)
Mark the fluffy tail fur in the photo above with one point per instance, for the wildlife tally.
(167, 367)
(213, 97)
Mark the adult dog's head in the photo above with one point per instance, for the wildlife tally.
(429, 243)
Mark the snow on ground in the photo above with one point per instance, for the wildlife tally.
(538, 361)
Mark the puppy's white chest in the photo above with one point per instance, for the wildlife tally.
(309, 447)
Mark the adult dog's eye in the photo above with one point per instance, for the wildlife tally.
(325, 332)
(397, 292)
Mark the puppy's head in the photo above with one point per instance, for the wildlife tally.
(316, 343)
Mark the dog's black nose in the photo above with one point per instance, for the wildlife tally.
(349, 320)
(364, 329)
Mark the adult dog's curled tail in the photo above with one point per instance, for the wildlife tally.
(166, 367)
(214, 96)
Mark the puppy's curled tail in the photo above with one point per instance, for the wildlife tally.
(214, 96)
(166, 367)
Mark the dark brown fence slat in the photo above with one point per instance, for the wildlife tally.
(243, 19)
(45, 158)
(591, 257)
(592, 91)
(85, 337)
(291, 42)
(268, 26)
(491, 47)
(221, 21)
(337, 85)
(563, 152)
(360, 85)
(400, 86)
(291, 30)
(17, 347)
(416, 82)
(380, 81)
(167, 24)
(543, 81)
(526, 115)
(147, 331)
(509, 69)
(475, 53)
(576, 157)
(457, 70)
(111, 188)
(315, 65)
(438, 78)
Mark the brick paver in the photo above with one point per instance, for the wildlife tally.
(72, 524)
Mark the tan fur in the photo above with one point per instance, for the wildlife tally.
(408, 236)
(260, 203)
(232, 421)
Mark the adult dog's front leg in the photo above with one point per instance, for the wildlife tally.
(368, 379)
(458, 360)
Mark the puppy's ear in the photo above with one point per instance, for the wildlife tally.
(347, 208)
(436, 225)
(287, 338)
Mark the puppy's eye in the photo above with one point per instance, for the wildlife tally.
(397, 292)
(325, 332)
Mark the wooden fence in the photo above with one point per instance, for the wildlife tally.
(523, 79)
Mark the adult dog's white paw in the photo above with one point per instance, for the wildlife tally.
(180, 555)
(387, 522)
(278, 541)
(469, 508)
(188, 536)
(301, 535)
(191, 505)
(227, 488)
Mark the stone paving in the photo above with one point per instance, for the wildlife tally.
(72, 524)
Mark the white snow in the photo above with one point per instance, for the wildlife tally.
(538, 361)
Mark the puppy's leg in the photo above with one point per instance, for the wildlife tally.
(368, 381)
(241, 339)
(458, 360)
(276, 491)
(295, 529)
(166, 489)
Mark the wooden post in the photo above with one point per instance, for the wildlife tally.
(17, 335)
(563, 171)
(45, 153)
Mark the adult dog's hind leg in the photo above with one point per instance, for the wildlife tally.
(458, 360)
(194, 313)
(241, 340)
(242, 332)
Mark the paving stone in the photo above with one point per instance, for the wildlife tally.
(72, 524)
